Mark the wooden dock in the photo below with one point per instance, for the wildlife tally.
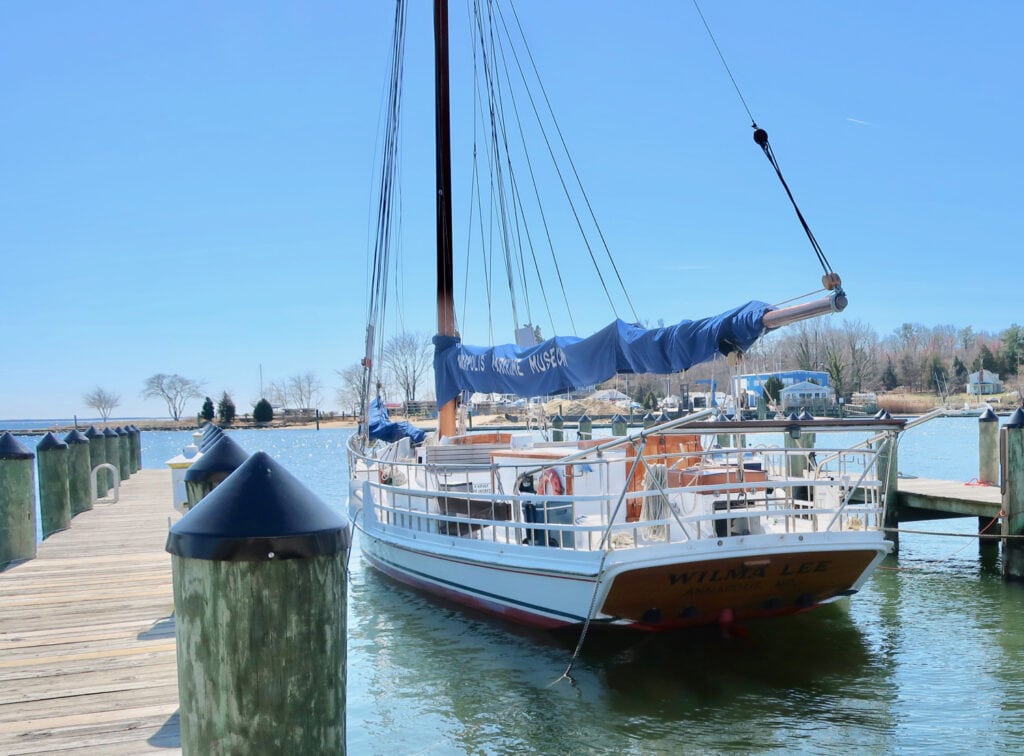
(87, 654)
(924, 498)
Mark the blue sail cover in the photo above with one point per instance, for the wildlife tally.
(382, 428)
(565, 362)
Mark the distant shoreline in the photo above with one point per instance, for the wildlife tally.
(153, 424)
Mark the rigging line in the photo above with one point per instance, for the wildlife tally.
(761, 138)
(389, 169)
(540, 211)
(502, 149)
(572, 165)
(724, 64)
(520, 206)
(799, 297)
(474, 188)
(485, 247)
(496, 166)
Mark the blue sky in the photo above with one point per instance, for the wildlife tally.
(186, 185)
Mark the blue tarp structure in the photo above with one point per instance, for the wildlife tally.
(383, 429)
(565, 362)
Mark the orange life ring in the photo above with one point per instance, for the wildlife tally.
(550, 483)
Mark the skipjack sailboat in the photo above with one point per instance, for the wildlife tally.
(692, 521)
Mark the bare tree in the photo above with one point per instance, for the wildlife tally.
(102, 401)
(862, 352)
(174, 389)
(352, 392)
(304, 389)
(277, 395)
(408, 358)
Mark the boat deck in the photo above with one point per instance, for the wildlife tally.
(87, 649)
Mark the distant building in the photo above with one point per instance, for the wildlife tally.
(984, 382)
(805, 395)
(754, 382)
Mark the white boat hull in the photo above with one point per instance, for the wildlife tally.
(653, 588)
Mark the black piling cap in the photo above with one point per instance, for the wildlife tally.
(988, 416)
(617, 418)
(92, 432)
(883, 414)
(209, 439)
(260, 512)
(1016, 419)
(76, 437)
(120, 431)
(12, 448)
(585, 418)
(211, 428)
(110, 433)
(50, 442)
(663, 417)
(805, 415)
(793, 416)
(223, 456)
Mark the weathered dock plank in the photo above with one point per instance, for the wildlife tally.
(949, 498)
(87, 652)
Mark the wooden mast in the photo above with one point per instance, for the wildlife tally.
(443, 152)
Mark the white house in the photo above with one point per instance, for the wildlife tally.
(984, 382)
(807, 395)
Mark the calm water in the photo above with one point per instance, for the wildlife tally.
(926, 659)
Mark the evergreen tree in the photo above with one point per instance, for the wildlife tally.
(960, 373)
(207, 411)
(986, 360)
(936, 375)
(1011, 353)
(889, 379)
(226, 409)
(773, 389)
(263, 412)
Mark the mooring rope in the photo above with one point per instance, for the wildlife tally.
(567, 674)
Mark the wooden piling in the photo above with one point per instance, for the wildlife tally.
(79, 492)
(210, 470)
(988, 448)
(988, 468)
(54, 501)
(124, 452)
(888, 473)
(97, 457)
(112, 455)
(586, 428)
(619, 426)
(260, 609)
(17, 502)
(136, 448)
(557, 425)
(1011, 450)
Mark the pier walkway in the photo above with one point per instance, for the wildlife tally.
(927, 498)
(87, 655)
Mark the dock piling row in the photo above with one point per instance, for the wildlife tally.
(64, 469)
